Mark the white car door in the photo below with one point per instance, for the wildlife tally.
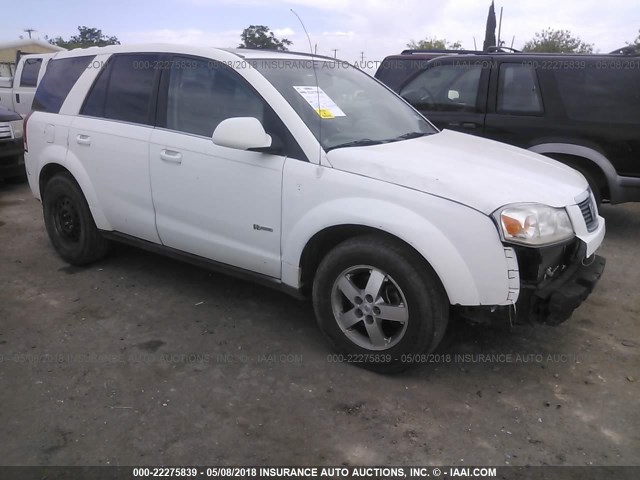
(25, 84)
(219, 203)
(111, 139)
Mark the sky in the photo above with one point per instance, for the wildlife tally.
(369, 29)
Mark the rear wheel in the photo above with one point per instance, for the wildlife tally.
(69, 222)
(379, 304)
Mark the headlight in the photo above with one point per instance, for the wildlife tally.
(533, 224)
(17, 127)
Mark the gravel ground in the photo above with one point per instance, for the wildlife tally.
(141, 359)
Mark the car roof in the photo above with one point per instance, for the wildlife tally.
(244, 53)
(423, 55)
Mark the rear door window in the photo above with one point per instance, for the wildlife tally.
(518, 90)
(30, 70)
(449, 87)
(60, 77)
(124, 89)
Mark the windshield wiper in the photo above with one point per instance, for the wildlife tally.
(357, 143)
(410, 135)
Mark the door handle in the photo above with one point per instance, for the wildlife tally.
(171, 156)
(83, 139)
(17, 98)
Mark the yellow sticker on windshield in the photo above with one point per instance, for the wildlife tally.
(324, 113)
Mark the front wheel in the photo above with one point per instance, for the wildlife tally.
(379, 303)
(69, 222)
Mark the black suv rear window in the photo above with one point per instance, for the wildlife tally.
(58, 80)
(124, 89)
(599, 93)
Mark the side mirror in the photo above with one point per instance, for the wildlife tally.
(241, 133)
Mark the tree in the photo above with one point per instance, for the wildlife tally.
(434, 44)
(636, 42)
(490, 32)
(260, 36)
(87, 37)
(557, 41)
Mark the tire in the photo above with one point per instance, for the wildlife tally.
(69, 222)
(381, 278)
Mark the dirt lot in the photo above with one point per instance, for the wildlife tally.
(144, 360)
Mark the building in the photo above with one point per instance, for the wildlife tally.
(11, 51)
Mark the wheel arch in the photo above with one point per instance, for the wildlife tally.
(328, 238)
(79, 174)
(467, 278)
(586, 160)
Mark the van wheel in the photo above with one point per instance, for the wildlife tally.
(379, 304)
(69, 222)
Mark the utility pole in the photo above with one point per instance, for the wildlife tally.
(362, 56)
(335, 52)
(29, 31)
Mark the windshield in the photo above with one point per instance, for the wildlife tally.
(348, 109)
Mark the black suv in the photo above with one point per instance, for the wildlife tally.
(583, 110)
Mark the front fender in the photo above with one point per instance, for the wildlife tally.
(461, 244)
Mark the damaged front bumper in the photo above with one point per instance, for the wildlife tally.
(554, 281)
(552, 300)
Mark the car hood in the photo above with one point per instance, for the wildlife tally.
(480, 173)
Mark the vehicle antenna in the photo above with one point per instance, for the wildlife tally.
(500, 28)
(315, 74)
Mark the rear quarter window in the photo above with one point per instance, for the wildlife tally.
(60, 77)
(600, 94)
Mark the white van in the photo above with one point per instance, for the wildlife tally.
(306, 174)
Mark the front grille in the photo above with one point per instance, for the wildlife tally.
(5, 131)
(588, 209)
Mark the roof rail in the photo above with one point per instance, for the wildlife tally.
(628, 50)
(503, 49)
(238, 52)
(419, 50)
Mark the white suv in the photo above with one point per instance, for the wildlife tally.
(308, 175)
